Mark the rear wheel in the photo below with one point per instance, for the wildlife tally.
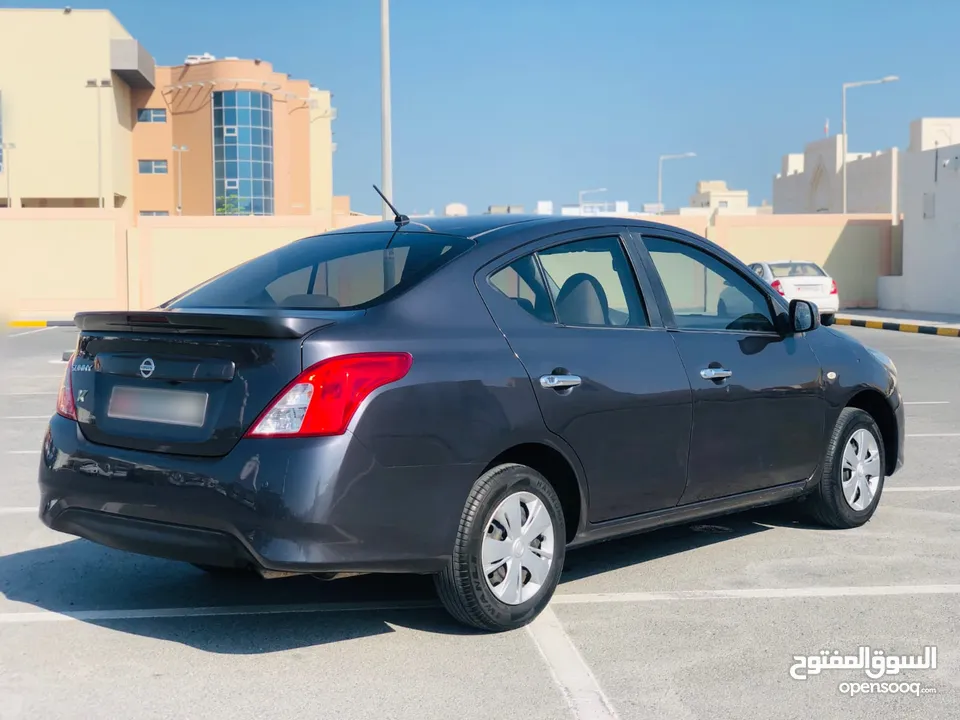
(827, 318)
(508, 553)
(853, 473)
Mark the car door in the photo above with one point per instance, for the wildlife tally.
(606, 374)
(758, 405)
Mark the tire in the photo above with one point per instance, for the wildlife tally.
(465, 590)
(828, 503)
(827, 319)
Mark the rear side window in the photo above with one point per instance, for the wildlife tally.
(521, 282)
(349, 271)
(794, 269)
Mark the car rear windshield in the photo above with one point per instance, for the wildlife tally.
(796, 268)
(347, 271)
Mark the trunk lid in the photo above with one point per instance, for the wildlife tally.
(184, 383)
(805, 286)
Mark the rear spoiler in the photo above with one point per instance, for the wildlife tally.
(259, 323)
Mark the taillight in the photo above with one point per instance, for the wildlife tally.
(323, 398)
(65, 404)
(777, 286)
(833, 287)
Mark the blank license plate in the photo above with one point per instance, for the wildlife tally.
(172, 407)
(808, 289)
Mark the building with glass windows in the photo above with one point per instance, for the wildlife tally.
(211, 136)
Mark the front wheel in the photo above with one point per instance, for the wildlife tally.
(508, 553)
(853, 473)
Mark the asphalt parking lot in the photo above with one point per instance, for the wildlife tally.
(689, 623)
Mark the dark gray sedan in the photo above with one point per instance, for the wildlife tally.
(467, 398)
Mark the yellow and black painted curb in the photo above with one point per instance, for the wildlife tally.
(898, 326)
(40, 323)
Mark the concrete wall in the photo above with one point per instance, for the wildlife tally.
(57, 262)
(931, 227)
(813, 182)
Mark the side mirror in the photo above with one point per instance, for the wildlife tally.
(804, 316)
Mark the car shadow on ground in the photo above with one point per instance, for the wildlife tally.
(79, 577)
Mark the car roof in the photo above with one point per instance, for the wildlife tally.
(475, 227)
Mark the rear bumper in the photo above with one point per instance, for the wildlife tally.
(294, 505)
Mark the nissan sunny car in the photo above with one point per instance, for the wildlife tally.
(468, 398)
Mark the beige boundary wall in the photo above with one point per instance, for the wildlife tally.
(57, 262)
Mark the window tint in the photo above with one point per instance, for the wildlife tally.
(592, 283)
(521, 282)
(705, 293)
(807, 269)
(352, 270)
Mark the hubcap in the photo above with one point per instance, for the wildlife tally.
(517, 549)
(860, 471)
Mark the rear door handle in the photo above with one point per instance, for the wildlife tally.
(715, 373)
(559, 382)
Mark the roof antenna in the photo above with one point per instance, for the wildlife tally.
(399, 219)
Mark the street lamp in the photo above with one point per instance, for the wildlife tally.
(386, 150)
(586, 192)
(7, 147)
(660, 174)
(180, 150)
(94, 85)
(843, 161)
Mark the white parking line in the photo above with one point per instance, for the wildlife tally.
(30, 332)
(48, 616)
(17, 510)
(922, 488)
(754, 594)
(571, 674)
(929, 435)
(22, 452)
(25, 417)
(926, 402)
(25, 394)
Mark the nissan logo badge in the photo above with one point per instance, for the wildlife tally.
(147, 367)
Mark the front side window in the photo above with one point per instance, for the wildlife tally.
(152, 167)
(344, 271)
(705, 293)
(592, 284)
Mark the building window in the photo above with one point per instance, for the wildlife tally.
(152, 115)
(243, 152)
(154, 213)
(152, 167)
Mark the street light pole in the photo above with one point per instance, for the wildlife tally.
(660, 174)
(843, 126)
(180, 150)
(386, 148)
(98, 86)
(7, 147)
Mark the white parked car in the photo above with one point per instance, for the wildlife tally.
(803, 280)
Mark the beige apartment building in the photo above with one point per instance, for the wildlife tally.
(87, 120)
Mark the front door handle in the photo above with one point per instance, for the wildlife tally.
(559, 382)
(715, 373)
